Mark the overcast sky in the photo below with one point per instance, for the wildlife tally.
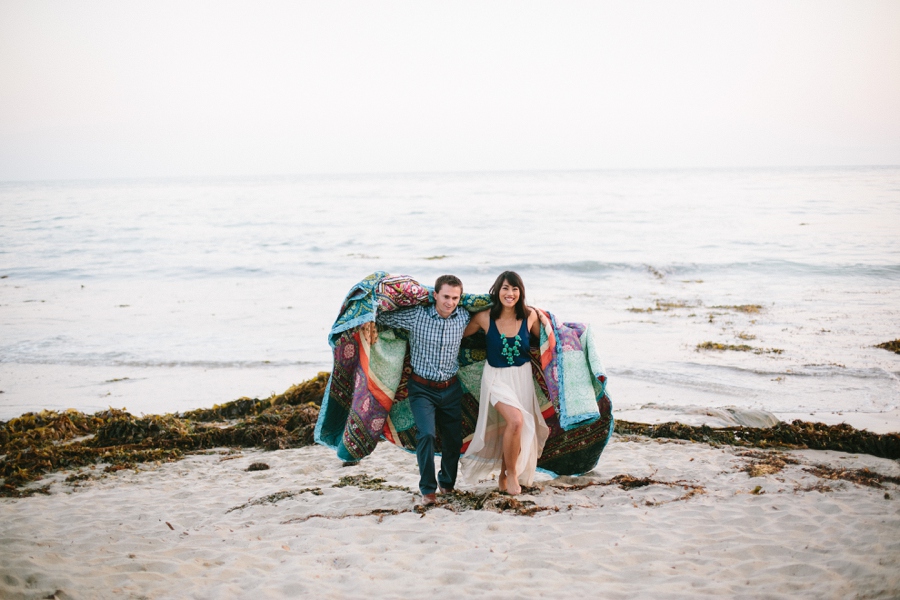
(93, 89)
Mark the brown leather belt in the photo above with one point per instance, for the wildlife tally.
(438, 385)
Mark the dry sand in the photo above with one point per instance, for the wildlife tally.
(206, 527)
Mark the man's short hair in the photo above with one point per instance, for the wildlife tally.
(451, 280)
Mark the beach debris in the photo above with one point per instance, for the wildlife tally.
(744, 308)
(38, 443)
(309, 391)
(766, 463)
(364, 482)
(381, 513)
(258, 466)
(276, 497)
(629, 482)
(114, 440)
(858, 476)
(794, 435)
(893, 346)
(737, 348)
(75, 478)
(492, 500)
(656, 272)
(665, 306)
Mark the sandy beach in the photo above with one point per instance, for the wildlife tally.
(208, 212)
(655, 518)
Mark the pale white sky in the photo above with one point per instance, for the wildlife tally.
(135, 89)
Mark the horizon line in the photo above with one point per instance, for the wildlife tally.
(352, 174)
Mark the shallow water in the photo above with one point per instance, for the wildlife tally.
(168, 295)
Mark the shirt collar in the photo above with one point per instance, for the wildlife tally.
(433, 313)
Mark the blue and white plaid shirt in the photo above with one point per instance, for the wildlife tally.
(433, 340)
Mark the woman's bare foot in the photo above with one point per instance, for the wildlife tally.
(501, 482)
(512, 484)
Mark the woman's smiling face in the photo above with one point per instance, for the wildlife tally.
(509, 294)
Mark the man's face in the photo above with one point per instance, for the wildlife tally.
(446, 299)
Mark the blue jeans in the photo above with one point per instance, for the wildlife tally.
(437, 411)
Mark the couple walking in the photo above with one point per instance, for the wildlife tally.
(510, 433)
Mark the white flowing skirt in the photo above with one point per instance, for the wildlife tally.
(513, 386)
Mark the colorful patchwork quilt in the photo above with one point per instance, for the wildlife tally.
(366, 399)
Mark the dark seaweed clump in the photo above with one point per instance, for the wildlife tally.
(798, 434)
(738, 348)
(858, 476)
(39, 443)
(893, 346)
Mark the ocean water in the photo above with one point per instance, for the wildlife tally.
(165, 295)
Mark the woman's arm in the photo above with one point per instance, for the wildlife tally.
(535, 319)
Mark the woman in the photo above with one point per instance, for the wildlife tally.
(511, 432)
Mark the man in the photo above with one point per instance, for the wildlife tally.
(435, 394)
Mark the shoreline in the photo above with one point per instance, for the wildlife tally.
(37, 444)
(140, 390)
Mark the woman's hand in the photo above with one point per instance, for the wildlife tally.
(545, 320)
(370, 332)
(538, 317)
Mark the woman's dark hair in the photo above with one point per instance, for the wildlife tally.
(513, 279)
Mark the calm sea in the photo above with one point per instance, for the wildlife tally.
(164, 295)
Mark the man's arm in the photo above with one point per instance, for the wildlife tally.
(398, 319)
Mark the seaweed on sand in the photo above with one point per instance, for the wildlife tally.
(766, 463)
(274, 498)
(737, 348)
(38, 443)
(893, 346)
(798, 434)
(858, 476)
(364, 482)
(491, 500)
(664, 306)
(744, 308)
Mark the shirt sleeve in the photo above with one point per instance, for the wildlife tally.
(398, 319)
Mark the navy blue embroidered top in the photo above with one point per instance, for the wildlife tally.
(498, 353)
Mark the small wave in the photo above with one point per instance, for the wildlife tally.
(766, 267)
(810, 370)
(680, 378)
(687, 370)
(724, 416)
(319, 263)
(201, 364)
